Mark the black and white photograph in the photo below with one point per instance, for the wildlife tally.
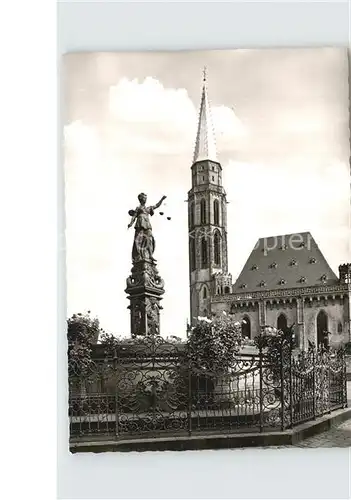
(208, 249)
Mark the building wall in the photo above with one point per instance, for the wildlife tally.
(273, 312)
(337, 310)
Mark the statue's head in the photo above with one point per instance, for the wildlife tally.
(142, 197)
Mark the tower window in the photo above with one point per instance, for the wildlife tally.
(213, 177)
(227, 289)
(204, 256)
(203, 178)
(192, 215)
(205, 293)
(217, 249)
(203, 211)
(192, 255)
(216, 212)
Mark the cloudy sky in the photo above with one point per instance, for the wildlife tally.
(281, 123)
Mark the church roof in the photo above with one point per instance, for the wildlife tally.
(285, 261)
(205, 145)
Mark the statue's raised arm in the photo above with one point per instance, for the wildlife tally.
(154, 207)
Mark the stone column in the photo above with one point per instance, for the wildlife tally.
(145, 288)
(262, 313)
(302, 342)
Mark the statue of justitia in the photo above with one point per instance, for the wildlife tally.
(144, 242)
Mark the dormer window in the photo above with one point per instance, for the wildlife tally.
(273, 265)
(262, 283)
(293, 262)
(283, 247)
(302, 244)
(313, 260)
(254, 267)
(244, 285)
(324, 277)
(282, 281)
(303, 279)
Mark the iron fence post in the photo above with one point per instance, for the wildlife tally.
(260, 360)
(344, 378)
(115, 375)
(282, 385)
(291, 386)
(189, 397)
(314, 382)
(328, 368)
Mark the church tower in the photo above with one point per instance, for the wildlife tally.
(207, 218)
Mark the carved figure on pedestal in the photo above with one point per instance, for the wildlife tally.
(144, 242)
(152, 312)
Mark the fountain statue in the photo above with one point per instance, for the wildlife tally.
(144, 285)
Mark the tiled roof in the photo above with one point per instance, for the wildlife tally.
(285, 261)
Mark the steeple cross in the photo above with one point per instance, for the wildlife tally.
(204, 74)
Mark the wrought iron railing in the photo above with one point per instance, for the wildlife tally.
(154, 389)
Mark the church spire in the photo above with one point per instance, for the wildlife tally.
(205, 146)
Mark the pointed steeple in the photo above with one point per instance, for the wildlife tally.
(205, 146)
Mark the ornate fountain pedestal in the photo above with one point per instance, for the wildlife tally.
(145, 288)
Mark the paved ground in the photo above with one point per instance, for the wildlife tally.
(339, 436)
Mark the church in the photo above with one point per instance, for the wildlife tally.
(285, 281)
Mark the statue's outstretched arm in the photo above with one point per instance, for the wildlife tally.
(159, 203)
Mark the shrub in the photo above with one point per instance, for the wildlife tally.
(213, 344)
(82, 332)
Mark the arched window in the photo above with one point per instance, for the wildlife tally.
(204, 254)
(204, 293)
(216, 213)
(217, 248)
(246, 327)
(339, 327)
(192, 215)
(203, 211)
(192, 255)
(282, 323)
(227, 289)
(322, 328)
